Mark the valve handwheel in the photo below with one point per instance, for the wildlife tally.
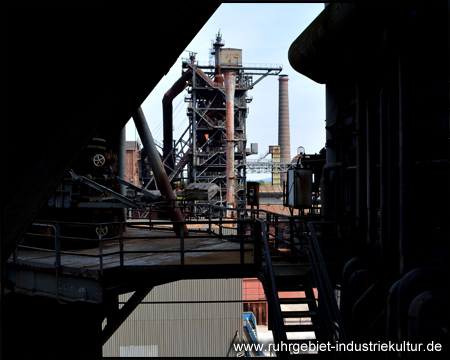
(99, 160)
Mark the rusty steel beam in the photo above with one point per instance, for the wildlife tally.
(161, 177)
(230, 82)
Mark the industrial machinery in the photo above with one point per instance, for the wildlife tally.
(91, 193)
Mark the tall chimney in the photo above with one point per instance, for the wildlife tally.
(284, 133)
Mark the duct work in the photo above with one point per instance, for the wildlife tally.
(386, 156)
(173, 92)
(158, 169)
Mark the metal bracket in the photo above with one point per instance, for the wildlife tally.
(104, 189)
(148, 194)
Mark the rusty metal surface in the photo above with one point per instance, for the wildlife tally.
(230, 83)
(231, 57)
(176, 89)
(158, 168)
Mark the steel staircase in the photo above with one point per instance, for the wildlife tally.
(301, 309)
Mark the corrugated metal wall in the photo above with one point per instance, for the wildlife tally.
(189, 329)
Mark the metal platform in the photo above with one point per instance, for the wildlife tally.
(153, 253)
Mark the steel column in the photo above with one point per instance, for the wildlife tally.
(230, 83)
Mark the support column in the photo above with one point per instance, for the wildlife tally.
(230, 83)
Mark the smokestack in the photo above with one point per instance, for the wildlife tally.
(284, 133)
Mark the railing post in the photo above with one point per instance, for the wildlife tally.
(100, 248)
(241, 240)
(257, 243)
(276, 240)
(181, 244)
(57, 246)
(291, 236)
(121, 244)
(209, 220)
(277, 231)
(150, 217)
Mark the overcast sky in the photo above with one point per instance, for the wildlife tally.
(264, 32)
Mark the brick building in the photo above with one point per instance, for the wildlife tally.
(133, 162)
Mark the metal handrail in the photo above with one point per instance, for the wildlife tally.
(327, 301)
(221, 223)
(279, 333)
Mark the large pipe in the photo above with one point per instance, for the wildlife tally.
(176, 89)
(158, 168)
(230, 81)
(284, 133)
(122, 166)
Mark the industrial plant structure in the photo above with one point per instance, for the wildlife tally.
(370, 267)
(213, 148)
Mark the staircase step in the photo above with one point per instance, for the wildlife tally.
(290, 287)
(300, 328)
(300, 341)
(295, 300)
(298, 314)
(280, 270)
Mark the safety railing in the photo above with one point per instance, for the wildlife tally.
(75, 238)
(271, 289)
(329, 313)
(250, 325)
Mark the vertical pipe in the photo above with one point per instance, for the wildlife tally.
(402, 173)
(328, 199)
(384, 184)
(393, 205)
(230, 82)
(122, 167)
(158, 168)
(284, 134)
(361, 214)
(370, 206)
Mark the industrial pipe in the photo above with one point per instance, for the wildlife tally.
(176, 89)
(384, 184)
(122, 167)
(426, 322)
(413, 283)
(158, 169)
(326, 186)
(208, 79)
(361, 161)
(230, 81)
